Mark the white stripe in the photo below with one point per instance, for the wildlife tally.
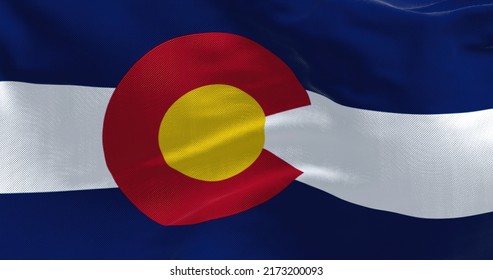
(50, 138)
(433, 166)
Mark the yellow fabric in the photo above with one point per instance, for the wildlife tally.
(212, 132)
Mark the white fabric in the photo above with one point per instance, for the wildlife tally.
(51, 138)
(432, 166)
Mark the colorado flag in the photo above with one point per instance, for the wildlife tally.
(246, 130)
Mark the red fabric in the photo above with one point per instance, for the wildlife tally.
(152, 85)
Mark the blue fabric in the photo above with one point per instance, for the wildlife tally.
(300, 223)
(395, 56)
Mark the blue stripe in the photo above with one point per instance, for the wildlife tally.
(364, 54)
(300, 223)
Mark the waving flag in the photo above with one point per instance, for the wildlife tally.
(213, 129)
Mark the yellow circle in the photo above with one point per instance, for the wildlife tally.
(212, 132)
